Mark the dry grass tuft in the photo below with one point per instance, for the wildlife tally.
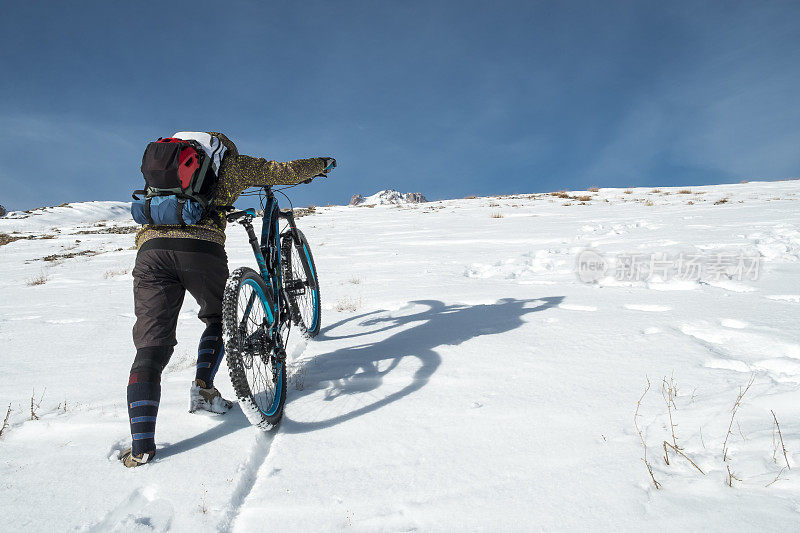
(641, 437)
(348, 304)
(203, 507)
(593, 189)
(679, 452)
(35, 406)
(41, 279)
(721, 201)
(497, 215)
(736, 405)
(684, 191)
(69, 255)
(115, 230)
(669, 391)
(566, 196)
(115, 272)
(300, 212)
(5, 238)
(5, 420)
(62, 407)
(731, 477)
(774, 451)
(628, 191)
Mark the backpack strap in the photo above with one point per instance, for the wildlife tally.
(202, 176)
(147, 211)
(138, 192)
(180, 204)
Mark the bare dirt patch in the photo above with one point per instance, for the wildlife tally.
(113, 229)
(69, 255)
(5, 238)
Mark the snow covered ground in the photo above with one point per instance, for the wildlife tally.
(464, 379)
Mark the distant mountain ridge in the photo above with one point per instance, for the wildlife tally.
(388, 196)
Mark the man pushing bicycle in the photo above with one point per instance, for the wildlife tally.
(191, 178)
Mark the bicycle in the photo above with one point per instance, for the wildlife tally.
(260, 309)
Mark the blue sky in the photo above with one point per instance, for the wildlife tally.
(445, 98)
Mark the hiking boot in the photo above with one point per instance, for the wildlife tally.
(132, 461)
(207, 399)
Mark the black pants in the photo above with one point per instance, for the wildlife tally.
(165, 269)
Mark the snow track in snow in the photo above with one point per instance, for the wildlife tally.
(246, 477)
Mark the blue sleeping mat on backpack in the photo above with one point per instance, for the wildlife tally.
(164, 211)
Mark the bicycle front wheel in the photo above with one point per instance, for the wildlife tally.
(301, 283)
(258, 376)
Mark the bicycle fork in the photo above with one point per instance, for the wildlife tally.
(276, 341)
(288, 214)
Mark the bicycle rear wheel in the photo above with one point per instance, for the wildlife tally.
(301, 283)
(258, 376)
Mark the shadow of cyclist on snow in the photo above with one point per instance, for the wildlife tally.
(360, 368)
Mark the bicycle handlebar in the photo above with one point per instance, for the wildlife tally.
(312, 178)
(233, 217)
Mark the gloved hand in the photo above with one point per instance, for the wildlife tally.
(330, 164)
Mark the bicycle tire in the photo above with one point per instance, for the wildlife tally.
(257, 375)
(306, 308)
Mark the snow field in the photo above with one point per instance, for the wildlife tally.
(464, 379)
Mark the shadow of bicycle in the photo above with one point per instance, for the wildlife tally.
(359, 370)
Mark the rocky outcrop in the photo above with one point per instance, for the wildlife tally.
(414, 198)
(3, 211)
(389, 196)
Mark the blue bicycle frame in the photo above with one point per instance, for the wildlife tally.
(268, 250)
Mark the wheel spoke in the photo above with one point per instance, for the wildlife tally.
(251, 317)
(302, 288)
(249, 306)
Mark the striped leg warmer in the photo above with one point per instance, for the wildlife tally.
(144, 394)
(209, 354)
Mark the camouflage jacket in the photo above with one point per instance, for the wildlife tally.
(236, 173)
